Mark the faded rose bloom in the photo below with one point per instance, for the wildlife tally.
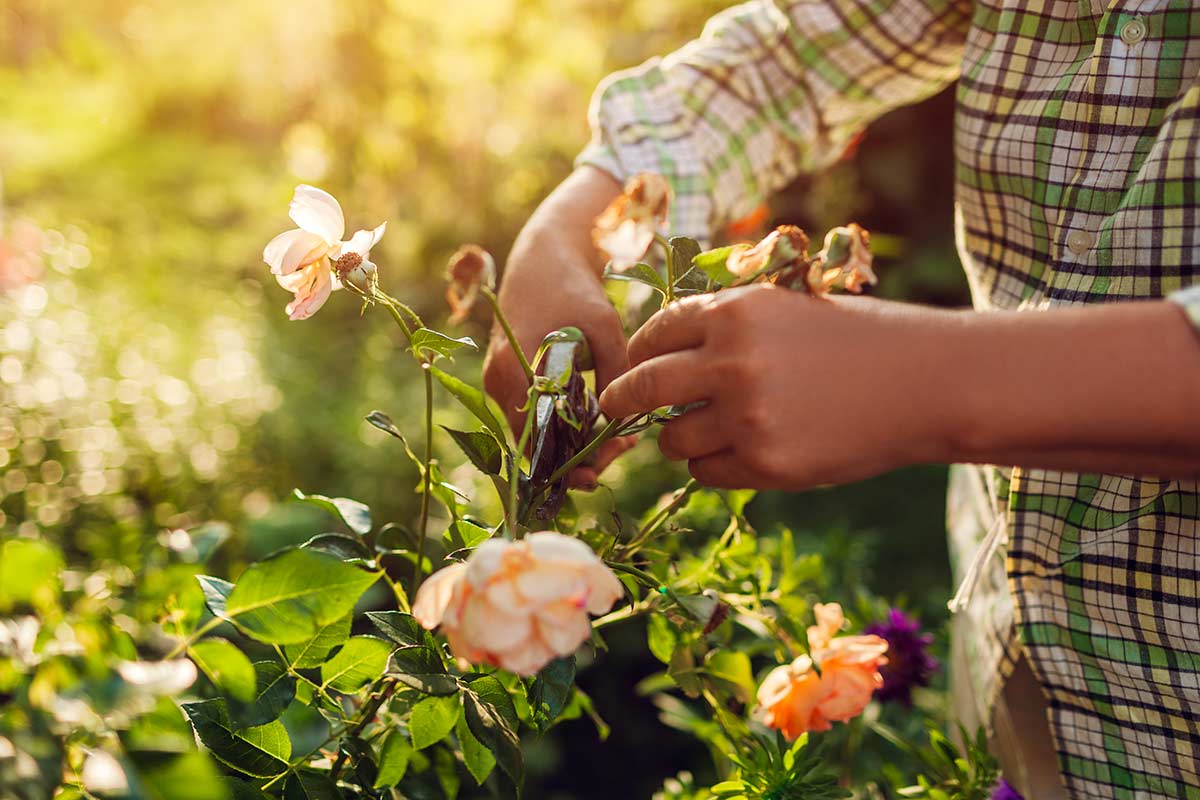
(563, 421)
(783, 248)
(909, 663)
(301, 259)
(794, 699)
(353, 261)
(469, 269)
(626, 229)
(843, 263)
(518, 605)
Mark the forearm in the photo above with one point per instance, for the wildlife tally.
(1113, 389)
(561, 226)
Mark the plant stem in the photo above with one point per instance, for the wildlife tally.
(508, 332)
(658, 519)
(606, 433)
(427, 467)
(514, 473)
(667, 251)
(367, 714)
(195, 635)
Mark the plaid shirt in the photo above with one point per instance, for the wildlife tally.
(1078, 148)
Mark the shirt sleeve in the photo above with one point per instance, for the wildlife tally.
(770, 90)
(1189, 300)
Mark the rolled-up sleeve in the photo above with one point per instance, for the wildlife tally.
(770, 90)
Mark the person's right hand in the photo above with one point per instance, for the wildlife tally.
(552, 280)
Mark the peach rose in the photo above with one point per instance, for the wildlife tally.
(518, 605)
(794, 699)
(302, 259)
(626, 229)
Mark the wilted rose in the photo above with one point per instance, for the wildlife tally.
(785, 247)
(469, 269)
(843, 263)
(302, 259)
(794, 699)
(626, 229)
(518, 605)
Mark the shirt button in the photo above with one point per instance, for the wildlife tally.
(1133, 31)
(1079, 242)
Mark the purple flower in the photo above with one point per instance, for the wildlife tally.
(909, 663)
(1005, 792)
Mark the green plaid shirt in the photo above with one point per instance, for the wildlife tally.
(1078, 147)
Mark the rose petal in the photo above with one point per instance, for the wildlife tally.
(362, 241)
(563, 627)
(435, 593)
(627, 243)
(553, 546)
(313, 294)
(527, 659)
(487, 627)
(274, 251)
(604, 590)
(486, 560)
(548, 582)
(317, 211)
(303, 251)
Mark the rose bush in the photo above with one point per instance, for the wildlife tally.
(336, 635)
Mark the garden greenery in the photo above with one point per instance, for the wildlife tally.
(383, 659)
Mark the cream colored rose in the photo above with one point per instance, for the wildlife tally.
(518, 605)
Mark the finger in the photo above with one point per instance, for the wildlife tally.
(679, 326)
(584, 478)
(694, 435)
(671, 379)
(587, 477)
(610, 351)
(723, 470)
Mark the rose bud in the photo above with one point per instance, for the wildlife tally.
(795, 699)
(785, 247)
(626, 229)
(519, 605)
(470, 268)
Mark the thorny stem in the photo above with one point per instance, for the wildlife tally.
(368, 714)
(514, 473)
(526, 367)
(680, 497)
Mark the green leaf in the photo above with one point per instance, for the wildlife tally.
(261, 752)
(393, 760)
(479, 760)
(481, 447)
(640, 273)
(314, 651)
(401, 628)
(432, 719)
(356, 515)
(466, 535)
(422, 669)
(177, 776)
(207, 538)
(384, 423)
(550, 691)
(241, 790)
(661, 637)
(733, 669)
(683, 250)
(492, 717)
(29, 573)
(436, 343)
(360, 661)
(216, 594)
(287, 598)
(341, 546)
(307, 784)
(712, 262)
(274, 690)
(472, 399)
(226, 666)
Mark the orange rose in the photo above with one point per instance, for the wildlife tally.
(518, 605)
(843, 263)
(794, 699)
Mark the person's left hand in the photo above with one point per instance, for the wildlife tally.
(799, 392)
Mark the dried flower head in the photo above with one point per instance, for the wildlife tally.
(843, 263)
(626, 229)
(786, 247)
(470, 268)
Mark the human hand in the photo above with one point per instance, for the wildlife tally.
(798, 391)
(551, 281)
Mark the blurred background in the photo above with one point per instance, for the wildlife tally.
(149, 379)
